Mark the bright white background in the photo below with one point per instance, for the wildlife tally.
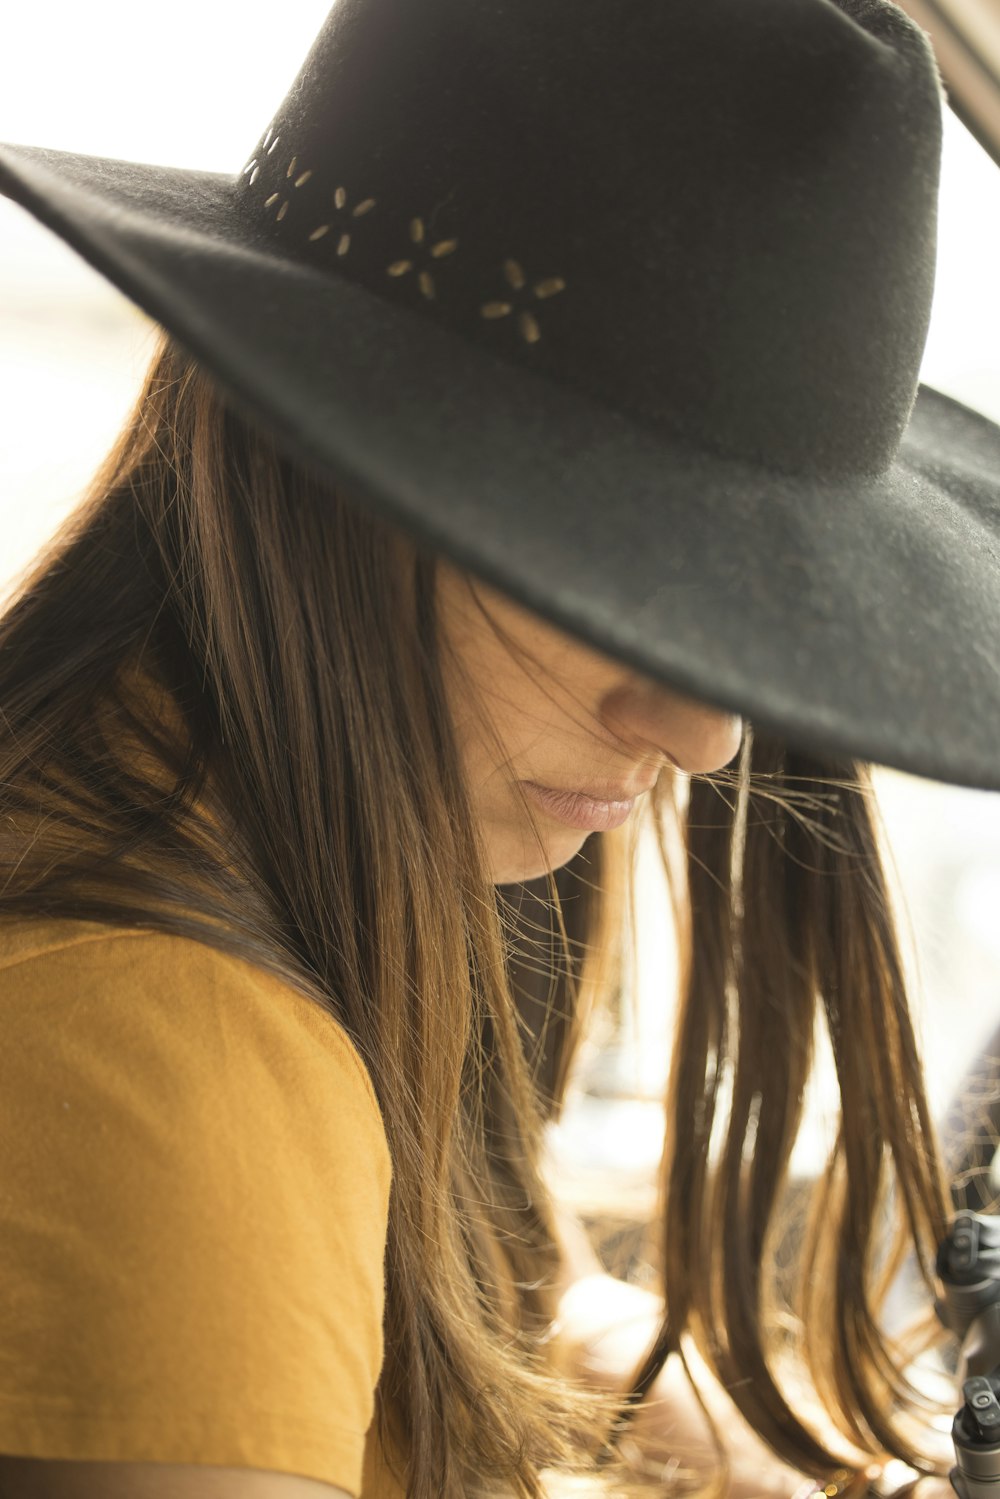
(193, 85)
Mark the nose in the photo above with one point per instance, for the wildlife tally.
(698, 737)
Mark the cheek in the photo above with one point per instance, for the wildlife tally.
(517, 718)
(498, 718)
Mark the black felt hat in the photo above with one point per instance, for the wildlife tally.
(622, 307)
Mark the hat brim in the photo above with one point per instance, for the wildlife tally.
(858, 617)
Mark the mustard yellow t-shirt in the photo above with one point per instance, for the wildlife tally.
(194, 1183)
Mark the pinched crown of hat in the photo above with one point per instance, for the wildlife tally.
(648, 212)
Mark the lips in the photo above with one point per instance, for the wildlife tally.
(577, 809)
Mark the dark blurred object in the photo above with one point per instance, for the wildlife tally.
(968, 1266)
(966, 39)
(970, 1132)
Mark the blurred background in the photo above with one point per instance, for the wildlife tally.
(193, 86)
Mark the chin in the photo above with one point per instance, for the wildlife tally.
(533, 863)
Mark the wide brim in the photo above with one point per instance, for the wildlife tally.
(857, 616)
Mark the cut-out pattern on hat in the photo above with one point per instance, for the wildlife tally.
(340, 203)
(424, 278)
(300, 179)
(420, 260)
(526, 320)
(253, 166)
(269, 202)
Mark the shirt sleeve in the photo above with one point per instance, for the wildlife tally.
(194, 1185)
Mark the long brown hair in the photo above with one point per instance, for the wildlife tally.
(789, 925)
(222, 716)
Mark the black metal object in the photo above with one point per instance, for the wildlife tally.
(968, 1265)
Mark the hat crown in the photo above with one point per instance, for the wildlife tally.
(718, 218)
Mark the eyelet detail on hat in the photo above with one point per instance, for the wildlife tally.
(524, 316)
(526, 320)
(424, 278)
(340, 201)
(281, 211)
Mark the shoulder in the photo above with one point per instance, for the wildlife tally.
(169, 1006)
(196, 1185)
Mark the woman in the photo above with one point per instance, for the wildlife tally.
(315, 844)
